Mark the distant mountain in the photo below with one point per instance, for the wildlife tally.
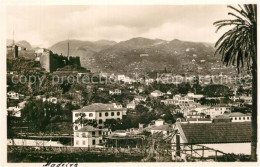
(141, 55)
(84, 49)
(22, 43)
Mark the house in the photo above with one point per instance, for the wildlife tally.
(164, 129)
(194, 114)
(159, 122)
(14, 111)
(169, 102)
(99, 112)
(131, 105)
(217, 110)
(115, 92)
(157, 93)
(118, 106)
(195, 96)
(211, 139)
(52, 100)
(140, 98)
(13, 95)
(121, 77)
(88, 137)
(239, 117)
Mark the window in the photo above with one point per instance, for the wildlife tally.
(93, 133)
(99, 132)
(118, 113)
(106, 114)
(76, 127)
(244, 118)
(91, 115)
(77, 134)
(247, 118)
(236, 118)
(83, 134)
(239, 118)
(77, 142)
(100, 114)
(94, 142)
(112, 113)
(100, 141)
(100, 121)
(77, 114)
(84, 142)
(100, 127)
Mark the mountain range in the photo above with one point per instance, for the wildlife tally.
(140, 55)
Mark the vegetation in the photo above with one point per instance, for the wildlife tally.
(238, 46)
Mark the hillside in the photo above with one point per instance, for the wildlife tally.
(84, 49)
(143, 55)
(22, 43)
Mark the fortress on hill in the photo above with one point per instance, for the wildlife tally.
(48, 60)
(51, 62)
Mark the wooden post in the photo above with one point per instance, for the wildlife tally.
(202, 151)
(191, 150)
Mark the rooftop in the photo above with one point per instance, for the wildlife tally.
(235, 132)
(163, 128)
(157, 91)
(88, 129)
(97, 107)
(238, 114)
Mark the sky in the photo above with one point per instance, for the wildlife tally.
(46, 25)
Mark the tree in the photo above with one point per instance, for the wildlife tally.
(238, 46)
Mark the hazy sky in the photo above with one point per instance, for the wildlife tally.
(46, 25)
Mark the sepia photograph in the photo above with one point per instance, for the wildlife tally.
(108, 83)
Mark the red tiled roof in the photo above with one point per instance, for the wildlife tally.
(236, 132)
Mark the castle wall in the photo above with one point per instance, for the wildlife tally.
(51, 62)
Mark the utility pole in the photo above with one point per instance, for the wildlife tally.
(68, 54)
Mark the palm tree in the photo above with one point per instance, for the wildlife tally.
(238, 46)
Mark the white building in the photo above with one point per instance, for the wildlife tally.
(195, 96)
(131, 105)
(164, 129)
(217, 110)
(14, 111)
(115, 92)
(13, 95)
(140, 98)
(121, 77)
(99, 112)
(240, 117)
(88, 137)
(157, 93)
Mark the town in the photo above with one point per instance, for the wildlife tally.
(146, 118)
